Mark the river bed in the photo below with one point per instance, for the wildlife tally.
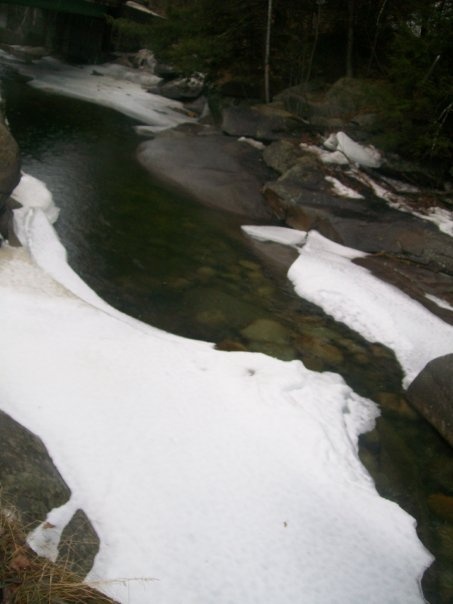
(189, 270)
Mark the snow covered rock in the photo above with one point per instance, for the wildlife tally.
(367, 156)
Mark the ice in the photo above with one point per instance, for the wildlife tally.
(209, 476)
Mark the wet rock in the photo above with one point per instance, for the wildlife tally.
(231, 346)
(9, 163)
(441, 505)
(262, 122)
(421, 283)
(311, 346)
(274, 349)
(211, 317)
(368, 225)
(341, 107)
(211, 168)
(431, 393)
(282, 155)
(396, 404)
(79, 544)
(266, 330)
(182, 89)
(28, 478)
(209, 302)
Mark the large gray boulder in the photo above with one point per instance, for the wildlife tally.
(32, 485)
(263, 122)
(301, 198)
(211, 168)
(9, 163)
(350, 103)
(28, 478)
(432, 394)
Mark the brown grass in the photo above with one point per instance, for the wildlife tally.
(26, 578)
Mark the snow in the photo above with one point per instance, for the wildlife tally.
(114, 86)
(208, 475)
(283, 235)
(441, 303)
(367, 156)
(342, 190)
(252, 142)
(324, 274)
(441, 217)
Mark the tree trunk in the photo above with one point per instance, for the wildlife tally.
(350, 41)
(267, 95)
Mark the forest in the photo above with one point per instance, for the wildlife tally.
(265, 46)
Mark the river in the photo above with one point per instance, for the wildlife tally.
(189, 270)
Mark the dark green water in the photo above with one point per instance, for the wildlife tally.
(189, 270)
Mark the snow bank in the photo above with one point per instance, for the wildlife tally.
(325, 275)
(209, 476)
(111, 85)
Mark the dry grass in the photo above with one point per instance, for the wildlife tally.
(26, 578)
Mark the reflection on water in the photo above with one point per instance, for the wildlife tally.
(189, 270)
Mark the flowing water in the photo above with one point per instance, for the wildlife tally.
(187, 269)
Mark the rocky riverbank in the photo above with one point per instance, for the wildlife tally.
(278, 162)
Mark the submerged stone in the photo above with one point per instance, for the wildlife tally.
(266, 330)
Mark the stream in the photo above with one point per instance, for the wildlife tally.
(189, 270)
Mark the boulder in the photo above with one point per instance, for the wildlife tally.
(28, 478)
(9, 163)
(263, 122)
(79, 544)
(282, 155)
(349, 104)
(209, 167)
(182, 89)
(431, 393)
(368, 225)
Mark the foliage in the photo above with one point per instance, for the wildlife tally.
(419, 69)
(407, 43)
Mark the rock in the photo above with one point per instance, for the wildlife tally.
(274, 349)
(442, 506)
(182, 89)
(28, 478)
(9, 164)
(396, 405)
(349, 104)
(431, 393)
(165, 71)
(419, 282)
(368, 225)
(313, 347)
(266, 330)
(282, 155)
(211, 168)
(79, 544)
(144, 59)
(262, 122)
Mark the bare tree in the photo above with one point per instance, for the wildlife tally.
(267, 95)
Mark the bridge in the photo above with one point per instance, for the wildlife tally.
(89, 8)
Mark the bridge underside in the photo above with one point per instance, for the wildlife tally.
(76, 7)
